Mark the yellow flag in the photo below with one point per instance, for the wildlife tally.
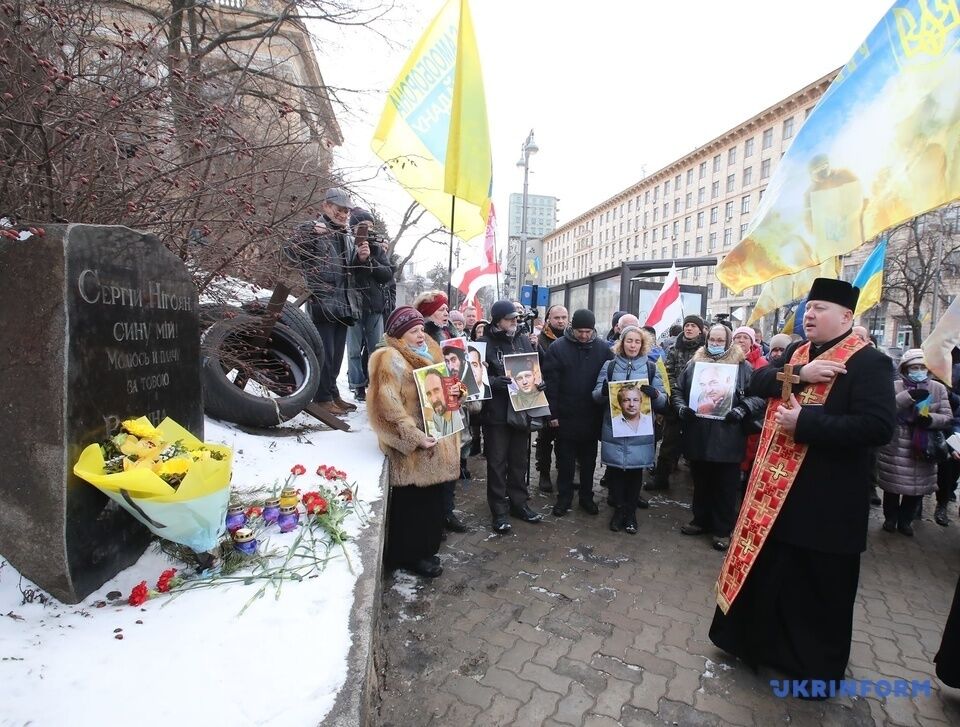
(881, 146)
(433, 132)
(782, 290)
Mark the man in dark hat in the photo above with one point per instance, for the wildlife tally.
(570, 370)
(507, 446)
(788, 584)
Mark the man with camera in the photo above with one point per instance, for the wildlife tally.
(370, 277)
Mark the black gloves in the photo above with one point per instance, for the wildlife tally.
(924, 421)
(685, 413)
(500, 382)
(918, 394)
(542, 386)
(605, 389)
(735, 415)
(649, 391)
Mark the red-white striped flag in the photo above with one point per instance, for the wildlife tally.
(669, 308)
(482, 271)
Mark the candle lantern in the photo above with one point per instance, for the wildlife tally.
(244, 541)
(289, 518)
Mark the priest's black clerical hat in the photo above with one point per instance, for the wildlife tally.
(835, 291)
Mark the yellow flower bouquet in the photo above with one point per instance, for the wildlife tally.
(169, 480)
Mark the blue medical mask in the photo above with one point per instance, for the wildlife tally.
(422, 350)
(917, 376)
(715, 350)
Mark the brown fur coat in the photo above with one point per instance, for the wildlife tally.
(393, 408)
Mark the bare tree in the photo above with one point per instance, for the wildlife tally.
(204, 121)
(921, 253)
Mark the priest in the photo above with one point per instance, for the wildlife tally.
(788, 584)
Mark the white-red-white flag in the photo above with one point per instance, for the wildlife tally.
(669, 308)
(483, 269)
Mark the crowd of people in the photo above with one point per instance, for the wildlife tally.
(769, 433)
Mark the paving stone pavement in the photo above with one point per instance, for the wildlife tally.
(568, 623)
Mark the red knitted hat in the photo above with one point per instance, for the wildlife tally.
(429, 307)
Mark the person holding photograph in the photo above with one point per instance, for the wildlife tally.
(420, 466)
(527, 390)
(625, 451)
(715, 447)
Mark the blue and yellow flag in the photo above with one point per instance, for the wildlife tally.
(881, 146)
(433, 133)
(870, 278)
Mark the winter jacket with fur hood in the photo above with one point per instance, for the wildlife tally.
(393, 408)
(716, 440)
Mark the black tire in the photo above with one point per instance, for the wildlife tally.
(294, 318)
(279, 380)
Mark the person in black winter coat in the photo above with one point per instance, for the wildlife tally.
(370, 279)
(715, 447)
(324, 251)
(556, 319)
(506, 446)
(570, 370)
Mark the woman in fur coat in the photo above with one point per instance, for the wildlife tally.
(420, 466)
(714, 447)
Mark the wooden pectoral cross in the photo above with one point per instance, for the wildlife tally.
(789, 379)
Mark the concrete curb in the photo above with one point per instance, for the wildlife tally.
(356, 702)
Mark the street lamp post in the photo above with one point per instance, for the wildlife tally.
(529, 147)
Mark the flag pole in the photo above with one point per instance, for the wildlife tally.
(453, 212)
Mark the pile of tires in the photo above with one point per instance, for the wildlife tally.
(253, 382)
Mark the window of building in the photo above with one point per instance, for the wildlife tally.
(666, 188)
(676, 183)
(716, 163)
(687, 224)
(743, 230)
(654, 234)
(714, 213)
(656, 194)
(699, 220)
(748, 148)
(712, 242)
(686, 247)
(676, 228)
(728, 211)
(673, 249)
(732, 156)
(688, 200)
(656, 214)
(666, 210)
(676, 206)
(747, 176)
(701, 195)
(727, 236)
(645, 237)
(689, 176)
(646, 197)
(703, 169)
(767, 139)
(608, 215)
(709, 291)
(715, 190)
(731, 182)
(629, 205)
(644, 219)
(699, 244)
(745, 205)
(765, 169)
(664, 231)
(788, 128)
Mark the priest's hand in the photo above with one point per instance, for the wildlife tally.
(817, 371)
(786, 418)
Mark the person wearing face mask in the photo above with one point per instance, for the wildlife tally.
(905, 474)
(627, 456)
(715, 447)
(506, 446)
(419, 465)
(787, 588)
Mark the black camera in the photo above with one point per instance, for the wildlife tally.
(526, 320)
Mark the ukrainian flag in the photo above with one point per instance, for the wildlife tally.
(870, 278)
(433, 133)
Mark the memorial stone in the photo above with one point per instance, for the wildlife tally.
(97, 324)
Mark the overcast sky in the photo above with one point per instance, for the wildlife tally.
(613, 89)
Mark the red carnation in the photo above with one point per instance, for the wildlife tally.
(254, 511)
(317, 505)
(163, 583)
(139, 594)
(322, 470)
(298, 469)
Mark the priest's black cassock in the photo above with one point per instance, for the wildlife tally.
(795, 609)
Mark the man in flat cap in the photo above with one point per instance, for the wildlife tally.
(789, 581)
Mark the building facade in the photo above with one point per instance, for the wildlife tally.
(541, 221)
(697, 206)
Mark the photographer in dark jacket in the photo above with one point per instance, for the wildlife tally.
(506, 446)
(369, 277)
(570, 369)
(325, 252)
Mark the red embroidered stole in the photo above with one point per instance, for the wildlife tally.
(778, 461)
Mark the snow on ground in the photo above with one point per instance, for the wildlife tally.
(191, 659)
